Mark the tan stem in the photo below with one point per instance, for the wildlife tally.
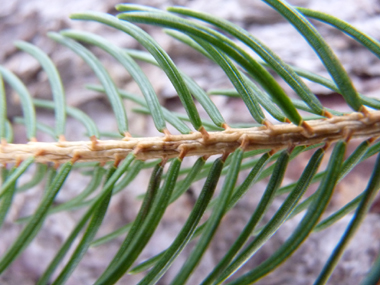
(354, 125)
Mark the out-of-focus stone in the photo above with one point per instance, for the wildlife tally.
(31, 20)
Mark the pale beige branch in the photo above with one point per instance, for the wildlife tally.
(275, 137)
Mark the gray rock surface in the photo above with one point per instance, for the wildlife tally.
(31, 20)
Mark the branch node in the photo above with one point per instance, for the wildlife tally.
(372, 139)
(127, 136)
(118, 158)
(164, 161)
(308, 130)
(272, 151)
(364, 111)
(347, 134)
(39, 152)
(56, 164)
(225, 126)
(205, 157)
(18, 162)
(327, 114)
(183, 152)
(268, 125)
(205, 135)
(75, 157)
(290, 148)
(94, 142)
(137, 149)
(244, 142)
(326, 146)
(61, 138)
(168, 135)
(225, 155)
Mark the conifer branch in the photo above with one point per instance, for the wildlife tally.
(354, 125)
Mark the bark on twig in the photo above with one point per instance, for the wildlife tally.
(354, 125)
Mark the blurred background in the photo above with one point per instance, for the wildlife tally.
(31, 20)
